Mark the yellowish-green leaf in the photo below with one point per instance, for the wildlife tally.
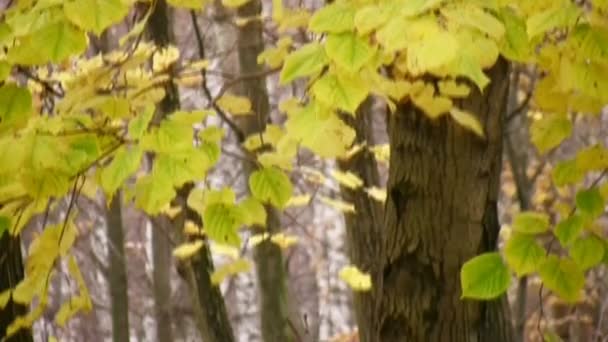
(425, 38)
(523, 254)
(476, 17)
(222, 222)
(594, 158)
(567, 172)
(15, 106)
(484, 277)
(52, 43)
(236, 105)
(348, 51)
(550, 131)
(569, 229)
(587, 252)
(191, 4)
(467, 120)
(590, 202)
(563, 13)
(126, 161)
(370, 18)
(153, 193)
(563, 277)
(334, 18)
(139, 124)
(528, 222)
(305, 61)
(253, 211)
(188, 249)
(514, 44)
(320, 131)
(271, 185)
(342, 92)
(95, 15)
(355, 278)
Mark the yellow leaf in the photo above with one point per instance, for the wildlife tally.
(550, 131)
(187, 250)
(5, 296)
(237, 105)
(234, 267)
(284, 241)
(298, 201)
(377, 193)
(467, 120)
(338, 204)
(234, 3)
(357, 280)
(452, 89)
(381, 152)
(192, 229)
(348, 179)
(433, 106)
(162, 59)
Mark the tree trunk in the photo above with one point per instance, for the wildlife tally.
(117, 271)
(212, 318)
(365, 225)
(11, 273)
(276, 324)
(440, 212)
(159, 30)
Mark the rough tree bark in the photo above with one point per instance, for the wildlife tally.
(276, 324)
(11, 273)
(440, 212)
(365, 225)
(209, 307)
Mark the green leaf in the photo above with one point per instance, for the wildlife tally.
(139, 124)
(95, 15)
(523, 254)
(320, 131)
(587, 252)
(153, 192)
(15, 105)
(344, 92)
(530, 223)
(484, 277)
(348, 51)
(569, 229)
(563, 13)
(563, 277)
(305, 61)
(52, 43)
(221, 223)
(170, 137)
(550, 131)
(271, 185)
(126, 161)
(590, 202)
(334, 18)
(514, 44)
(253, 211)
(567, 172)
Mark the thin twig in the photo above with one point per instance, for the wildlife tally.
(201, 51)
